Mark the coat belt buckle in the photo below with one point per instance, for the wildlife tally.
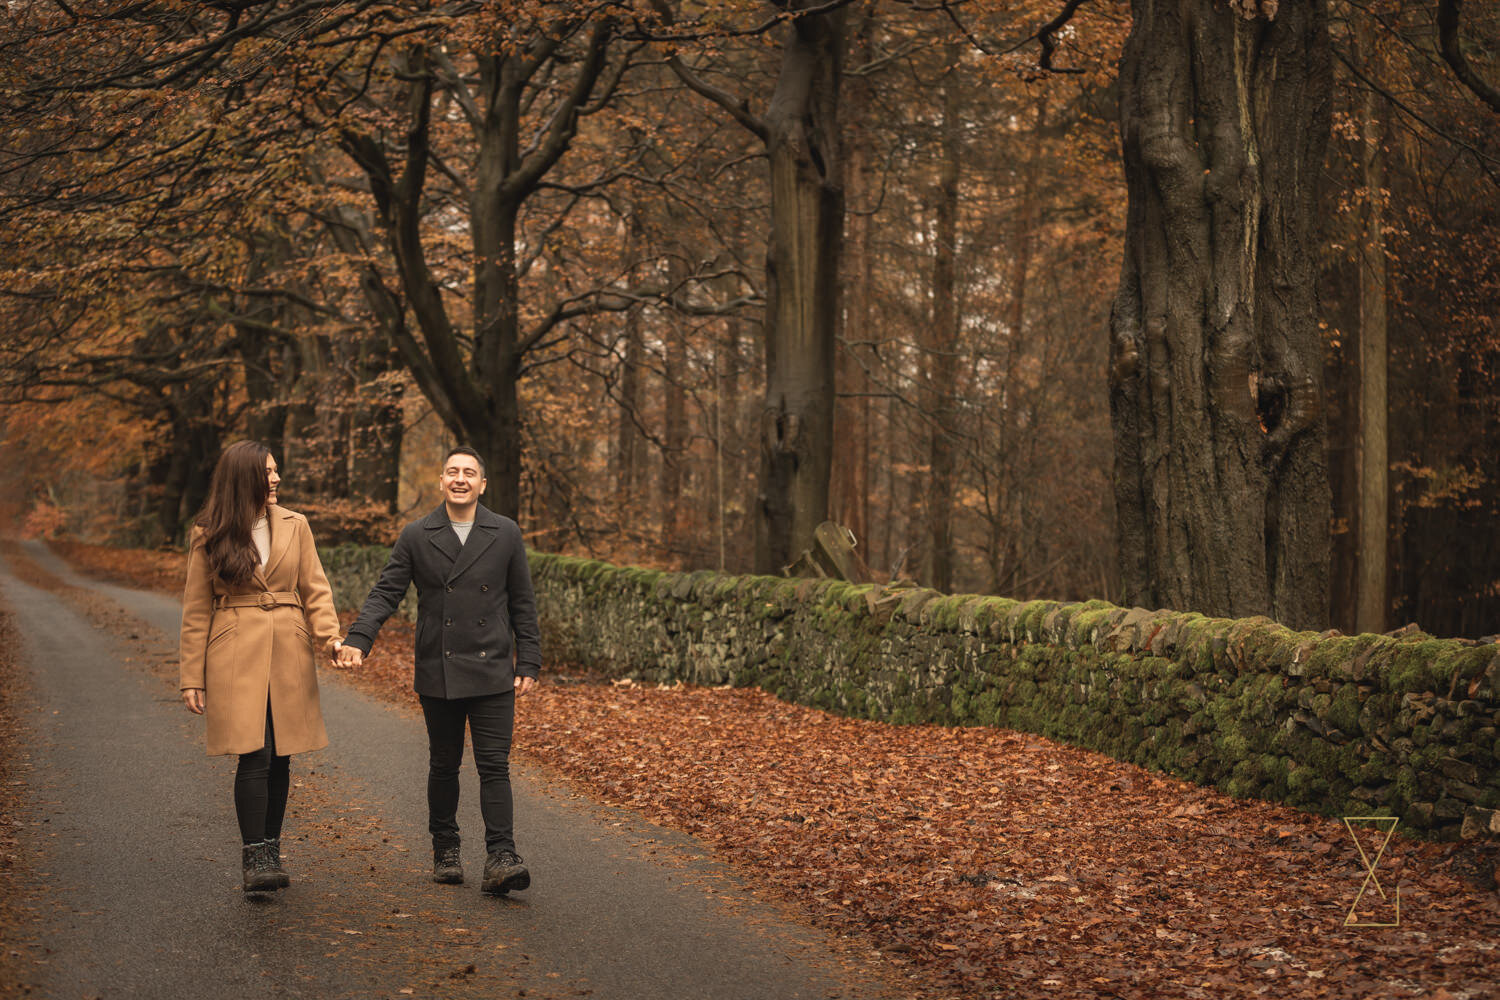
(266, 600)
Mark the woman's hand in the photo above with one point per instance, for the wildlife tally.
(193, 699)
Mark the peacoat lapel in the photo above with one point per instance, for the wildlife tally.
(280, 521)
(440, 532)
(481, 536)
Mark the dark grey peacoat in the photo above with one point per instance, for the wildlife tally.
(474, 605)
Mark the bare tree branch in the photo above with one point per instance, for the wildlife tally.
(1452, 48)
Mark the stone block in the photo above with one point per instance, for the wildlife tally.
(1460, 770)
(1480, 824)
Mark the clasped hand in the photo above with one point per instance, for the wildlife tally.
(350, 657)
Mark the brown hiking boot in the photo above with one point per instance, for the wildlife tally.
(258, 870)
(446, 868)
(504, 872)
(273, 845)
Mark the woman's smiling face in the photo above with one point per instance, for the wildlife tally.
(273, 479)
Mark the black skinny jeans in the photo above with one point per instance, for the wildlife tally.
(491, 719)
(260, 786)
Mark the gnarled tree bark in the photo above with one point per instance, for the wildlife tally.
(1216, 356)
(802, 281)
(472, 382)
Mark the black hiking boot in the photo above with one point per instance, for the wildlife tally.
(273, 849)
(446, 868)
(259, 874)
(504, 872)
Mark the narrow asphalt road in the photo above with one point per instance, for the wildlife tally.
(130, 833)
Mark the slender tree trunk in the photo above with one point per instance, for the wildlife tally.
(1027, 210)
(376, 417)
(300, 450)
(852, 415)
(1216, 374)
(888, 522)
(627, 437)
(674, 451)
(943, 341)
(731, 433)
(1372, 442)
(258, 343)
(802, 281)
(266, 420)
(378, 426)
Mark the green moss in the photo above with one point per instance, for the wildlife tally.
(1419, 666)
(1343, 708)
(1185, 707)
(944, 613)
(1090, 622)
(989, 610)
(1231, 744)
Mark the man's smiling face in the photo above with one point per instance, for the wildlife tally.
(462, 481)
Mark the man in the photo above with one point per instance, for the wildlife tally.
(474, 606)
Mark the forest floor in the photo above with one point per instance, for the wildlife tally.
(995, 863)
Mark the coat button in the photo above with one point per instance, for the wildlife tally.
(481, 654)
(447, 652)
(483, 587)
(447, 622)
(450, 589)
(481, 623)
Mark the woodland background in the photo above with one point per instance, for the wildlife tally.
(359, 230)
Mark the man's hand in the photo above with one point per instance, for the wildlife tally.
(524, 684)
(193, 699)
(350, 656)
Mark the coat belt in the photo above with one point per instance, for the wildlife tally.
(265, 600)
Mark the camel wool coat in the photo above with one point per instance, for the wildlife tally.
(262, 652)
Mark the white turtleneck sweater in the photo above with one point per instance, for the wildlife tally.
(260, 533)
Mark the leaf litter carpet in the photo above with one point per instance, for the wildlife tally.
(991, 863)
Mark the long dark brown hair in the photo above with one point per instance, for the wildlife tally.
(236, 496)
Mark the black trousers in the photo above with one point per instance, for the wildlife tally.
(260, 786)
(491, 719)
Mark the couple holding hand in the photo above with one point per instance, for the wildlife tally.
(257, 604)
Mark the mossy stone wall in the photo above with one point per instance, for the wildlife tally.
(1341, 725)
(352, 571)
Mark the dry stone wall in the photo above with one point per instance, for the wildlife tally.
(1341, 725)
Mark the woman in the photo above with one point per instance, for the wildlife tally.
(256, 606)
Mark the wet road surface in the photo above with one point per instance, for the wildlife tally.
(130, 838)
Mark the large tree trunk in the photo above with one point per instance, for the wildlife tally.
(802, 279)
(851, 462)
(1216, 358)
(473, 386)
(496, 429)
(182, 474)
(1371, 455)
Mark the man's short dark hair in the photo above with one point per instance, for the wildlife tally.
(463, 449)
